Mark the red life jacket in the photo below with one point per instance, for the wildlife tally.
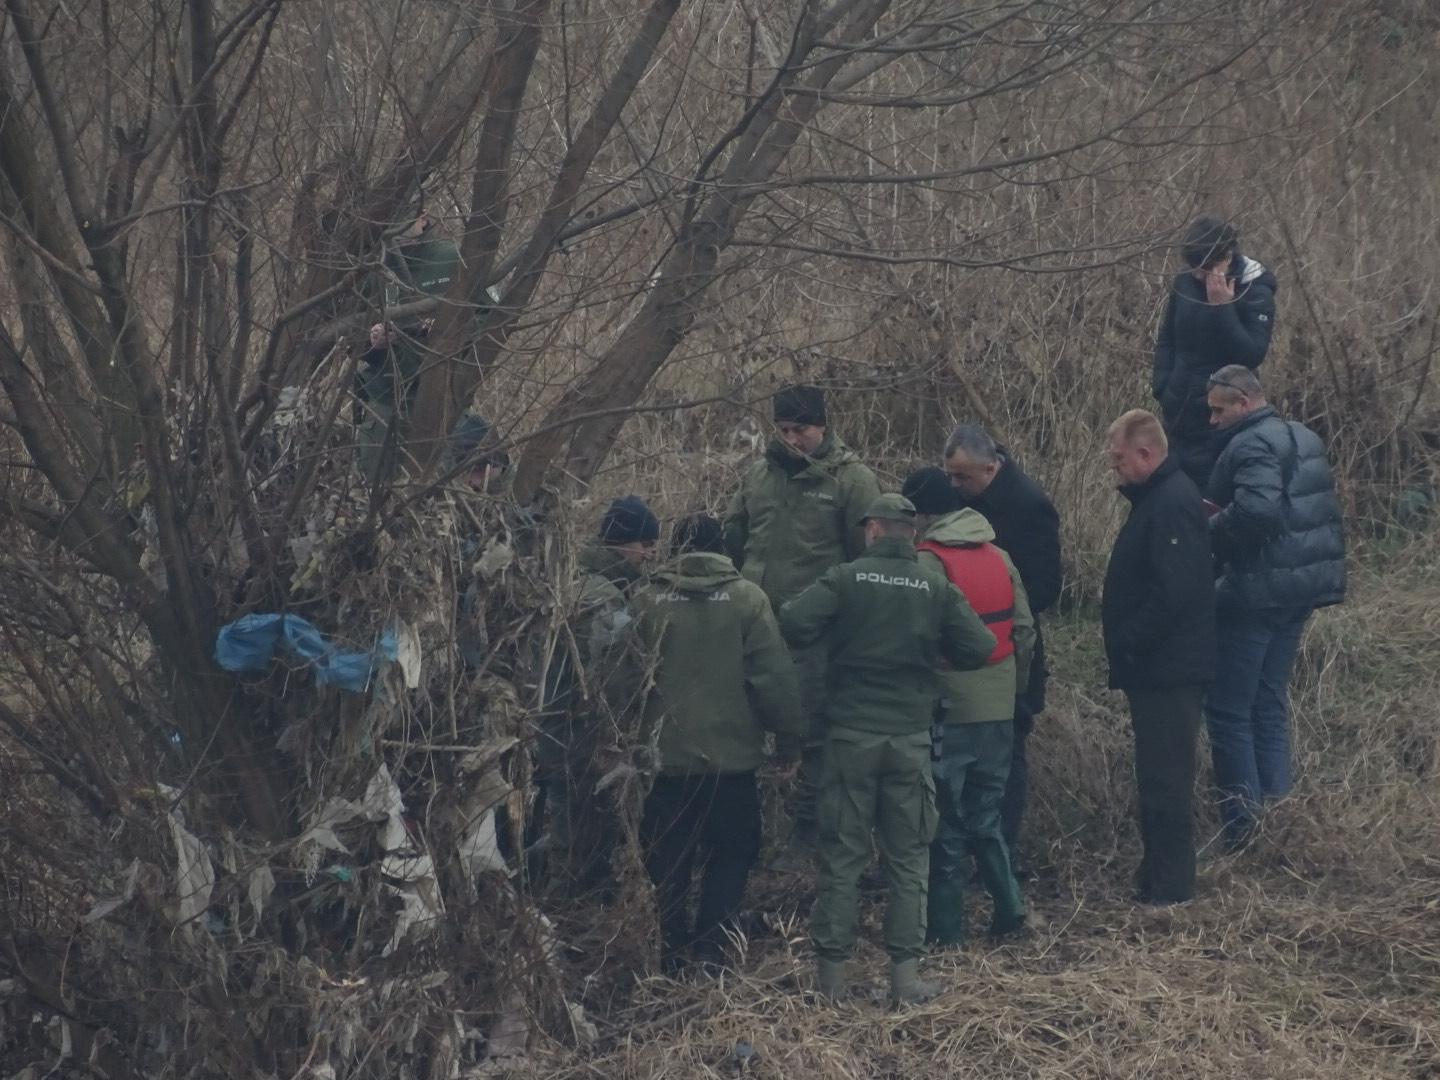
(979, 571)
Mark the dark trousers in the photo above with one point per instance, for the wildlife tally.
(1017, 780)
(1248, 712)
(712, 818)
(1166, 724)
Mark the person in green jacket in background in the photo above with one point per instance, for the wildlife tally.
(583, 832)
(723, 679)
(796, 514)
(886, 622)
(977, 711)
(420, 265)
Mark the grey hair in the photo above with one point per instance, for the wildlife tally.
(1238, 379)
(974, 442)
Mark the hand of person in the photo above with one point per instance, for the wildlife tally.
(1219, 289)
(787, 770)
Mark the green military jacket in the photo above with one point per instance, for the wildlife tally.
(794, 518)
(603, 625)
(417, 269)
(723, 677)
(988, 693)
(887, 620)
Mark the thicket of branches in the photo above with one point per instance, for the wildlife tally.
(945, 208)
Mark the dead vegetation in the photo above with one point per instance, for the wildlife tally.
(214, 875)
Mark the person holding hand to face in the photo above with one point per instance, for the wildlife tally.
(1221, 310)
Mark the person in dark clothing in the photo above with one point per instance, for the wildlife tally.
(724, 678)
(1158, 617)
(1279, 541)
(1027, 529)
(1221, 311)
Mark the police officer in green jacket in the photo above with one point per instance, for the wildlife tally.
(723, 679)
(887, 622)
(977, 711)
(421, 265)
(796, 514)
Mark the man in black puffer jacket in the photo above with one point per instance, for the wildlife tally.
(1280, 546)
(1221, 311)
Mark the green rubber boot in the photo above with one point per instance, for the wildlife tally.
(906, 986)
(1004, 890)
(945, 915)
(830, 979)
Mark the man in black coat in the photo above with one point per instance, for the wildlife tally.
(1279, 540)
(1221, 311)
(1158, 614)
(1028, 530)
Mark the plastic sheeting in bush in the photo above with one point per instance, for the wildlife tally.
(251, 642)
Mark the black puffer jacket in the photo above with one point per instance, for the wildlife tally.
(1279, 537)
(1158, 608)
(1198, 338)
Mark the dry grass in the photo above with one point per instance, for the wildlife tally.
(1317, 954)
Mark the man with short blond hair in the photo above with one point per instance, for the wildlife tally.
(1158, 614)
(1140, 426)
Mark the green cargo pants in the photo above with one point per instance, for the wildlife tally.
(875, 790)
(810, 669)
(970, 786)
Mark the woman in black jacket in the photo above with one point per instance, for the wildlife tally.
(1221, 311)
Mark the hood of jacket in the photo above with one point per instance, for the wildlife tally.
(828, 457)
(609, 564)
(960, 528)
(1251, 270)
(698, 572)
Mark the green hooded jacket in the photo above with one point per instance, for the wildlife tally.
(418, 268)
(887, 620)
(603, 624)
(724, 676)
(794, 518)
(987, 693)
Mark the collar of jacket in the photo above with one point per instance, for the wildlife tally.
(1166, 468)
(1000, 484)
(698, 571)
(1245, 424)
(960, 528)
(891, 547)
(610, 564)
(831, 453)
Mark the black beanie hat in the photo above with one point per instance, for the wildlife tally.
(800, 405)
(628, 521)
(1209, 238)
(931, 491)
(698, 532)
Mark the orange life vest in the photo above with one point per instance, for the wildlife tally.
(979, 571)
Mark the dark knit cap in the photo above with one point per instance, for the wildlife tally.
(1209, 238)
(472, 444)
(629, 521)
(698, 532)
(800, 405)
(931, 491)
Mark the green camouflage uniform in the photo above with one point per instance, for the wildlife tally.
(792, 519)
(886, 622)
